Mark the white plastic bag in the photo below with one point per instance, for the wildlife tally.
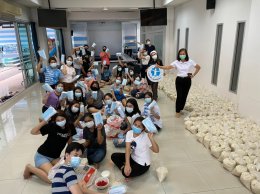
(255, 186)
(238, 170)
(246, 179)
(161, 173)
(229, 164)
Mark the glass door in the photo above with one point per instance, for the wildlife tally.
(26, 55)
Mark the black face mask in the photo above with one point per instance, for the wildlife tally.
(104, 49)
(94, 88)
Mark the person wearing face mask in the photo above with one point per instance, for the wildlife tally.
(52, 74)
(65, 179)
(60, 132)
(153, 112)
(108, 100)
(73, 112)
(78, 95)
(121, 67)
(131, 111)
(68, 72)
(154, 85)
(105, 56)
(95, 140)
(86, 58)
(95, 98)
(149, 47)
(77, 59)
(184, 66)
(106, 75)
(52, 98)
(145, 58)
(137, 159)
(117, 91)
(140, 88)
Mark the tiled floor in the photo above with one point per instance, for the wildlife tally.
(191, 167)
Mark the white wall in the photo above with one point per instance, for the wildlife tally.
(249, 90)
(103, 16)
(202, 24)
(106, 33)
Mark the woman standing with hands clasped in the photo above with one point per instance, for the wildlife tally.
(184, 66)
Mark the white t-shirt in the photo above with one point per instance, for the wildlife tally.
(146, 60)
(70, 74)
(183, 68)
(141, 147)
(156, 109)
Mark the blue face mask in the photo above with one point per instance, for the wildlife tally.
(75, 161)
(61, 123)
(59, 89)
(136, 130)
(78, 95)
(148, 100)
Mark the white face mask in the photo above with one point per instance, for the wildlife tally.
(90, 124)
(131, 73)
(118, 81)
(145, 53)
(74, 109)
(129, 109)
(108, 102)
(119, 69)
(69, 63)
(77, 52)
(53, 65)
(61, 123)
(154, 57)
(148, 42)
(136, 82)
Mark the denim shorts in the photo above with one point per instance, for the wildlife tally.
(40, 159)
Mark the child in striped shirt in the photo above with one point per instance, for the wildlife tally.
(65, 180)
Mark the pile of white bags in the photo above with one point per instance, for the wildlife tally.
(215, 122)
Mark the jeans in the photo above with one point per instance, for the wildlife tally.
(95, 155)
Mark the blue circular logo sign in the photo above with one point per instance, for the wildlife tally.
(154, 74)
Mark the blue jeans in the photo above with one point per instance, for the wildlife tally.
(95, 155)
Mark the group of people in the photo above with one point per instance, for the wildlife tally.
(74, 123)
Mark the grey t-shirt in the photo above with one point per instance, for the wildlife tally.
(98, 103)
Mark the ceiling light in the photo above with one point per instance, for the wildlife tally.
(105, 9)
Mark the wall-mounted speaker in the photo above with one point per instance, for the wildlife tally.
(211, 4)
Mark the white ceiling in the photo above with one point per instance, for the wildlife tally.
(99, 5)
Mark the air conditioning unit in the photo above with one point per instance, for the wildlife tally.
(7, 8)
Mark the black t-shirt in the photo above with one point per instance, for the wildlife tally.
(92, 137)
(86, 61)
(149, 48)
(56, 140)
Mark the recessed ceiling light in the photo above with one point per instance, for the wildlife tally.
(105, 9)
